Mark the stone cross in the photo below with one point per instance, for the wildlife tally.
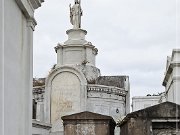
(75, 14)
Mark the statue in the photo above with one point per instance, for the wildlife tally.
(75, 14)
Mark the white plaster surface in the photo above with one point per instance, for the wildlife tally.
(16, 35)
(141, 102)
(40, 111)
(65, 94)
(64, 98)
(106, 107)
(17, 72)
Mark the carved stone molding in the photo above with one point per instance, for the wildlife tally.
(106, 89)
(36, 3)
(32, 23)
(28, 7)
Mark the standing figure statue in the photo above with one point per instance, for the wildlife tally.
(75, 14)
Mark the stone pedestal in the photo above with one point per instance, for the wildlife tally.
(40, 111)
(76, 50)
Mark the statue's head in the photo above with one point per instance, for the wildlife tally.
(76, 2)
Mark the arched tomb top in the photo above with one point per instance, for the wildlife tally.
(70, 69)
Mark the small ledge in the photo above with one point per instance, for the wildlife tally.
(169, 71)
(76, 30)
(40, 124)
(58, 46)
(36, 3)
(32, 23)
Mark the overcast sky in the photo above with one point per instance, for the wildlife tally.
(134, 37)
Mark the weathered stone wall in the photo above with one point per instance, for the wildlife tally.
(87, 123)
(161, 118)
(141, 102)
(166, 128)
(64, 98)
(166, 132)
(117, 81)
(65, 94)
(136, 126)
(102, 100)
(90, 72)
(87, 128)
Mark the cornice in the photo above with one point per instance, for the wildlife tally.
(167, 74)
(32, 23)
(175, 64)
(174, 52)
(169, 70)
(72, 30)
(95, 51)
(36, 3)
(58, 46)
(27, 7)
(75, 45)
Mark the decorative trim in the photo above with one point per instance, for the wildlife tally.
(175, 51)
(58, 46)
(175, 64)
(95, 51)
(71, 30)
(169, 71)
(106, 89)
(36, 3)
(165, 120)
(27, 7)
(31, 23)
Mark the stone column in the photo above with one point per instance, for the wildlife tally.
(1, 66)
(40, 111)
